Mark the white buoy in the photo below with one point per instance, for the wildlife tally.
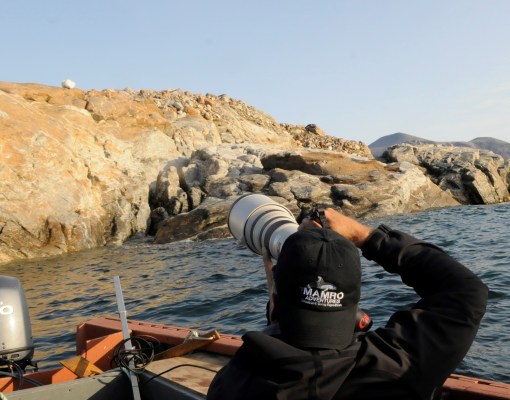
(68, 84)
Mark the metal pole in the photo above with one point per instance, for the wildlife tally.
(125, 332)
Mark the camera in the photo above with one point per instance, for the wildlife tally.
(258, 221)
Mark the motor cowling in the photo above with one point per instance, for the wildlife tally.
(16, 342)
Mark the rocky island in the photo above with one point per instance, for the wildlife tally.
(81, 169)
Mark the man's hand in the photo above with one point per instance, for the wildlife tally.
(347, 227)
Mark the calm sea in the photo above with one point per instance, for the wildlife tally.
(220, 285)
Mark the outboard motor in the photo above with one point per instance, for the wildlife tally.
(16, 342)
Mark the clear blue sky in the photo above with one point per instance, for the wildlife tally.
(359, 69)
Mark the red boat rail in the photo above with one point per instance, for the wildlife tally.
(456, 387)
(465, 387)
(165, 334)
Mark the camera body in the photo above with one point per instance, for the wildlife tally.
(258, 221)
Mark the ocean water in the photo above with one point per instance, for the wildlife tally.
(218, 284)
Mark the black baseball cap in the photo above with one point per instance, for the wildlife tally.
(318, 279)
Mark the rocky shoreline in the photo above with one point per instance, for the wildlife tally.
(82, 169)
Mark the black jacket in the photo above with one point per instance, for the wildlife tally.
(407, 359)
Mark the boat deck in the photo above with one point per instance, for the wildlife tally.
(195, 371)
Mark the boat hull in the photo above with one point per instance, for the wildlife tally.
(176, 377)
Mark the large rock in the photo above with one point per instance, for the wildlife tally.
(358, 187)
(362, 187)
(472, 176)
(321, 162)
(399, 188)
(82, 169)
(206, 221)
(69, 182)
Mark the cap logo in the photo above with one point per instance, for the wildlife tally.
(322, 294)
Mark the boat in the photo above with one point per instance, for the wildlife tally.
(181, 368)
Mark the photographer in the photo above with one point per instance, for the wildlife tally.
(311, 349)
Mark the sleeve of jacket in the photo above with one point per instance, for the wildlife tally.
(436, 333)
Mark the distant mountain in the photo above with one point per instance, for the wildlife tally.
(497, 146)
(380, 145)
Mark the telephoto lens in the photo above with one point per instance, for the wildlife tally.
(258, 221)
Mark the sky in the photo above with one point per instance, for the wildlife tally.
(359, 69)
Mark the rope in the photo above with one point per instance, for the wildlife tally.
(137, 358)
